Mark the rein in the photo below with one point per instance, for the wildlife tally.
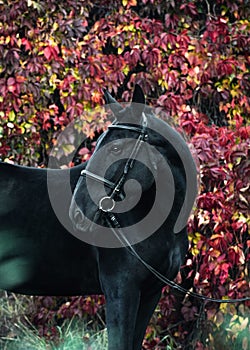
(116, 229)
(107, 204)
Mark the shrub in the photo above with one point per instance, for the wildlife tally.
(192, 60)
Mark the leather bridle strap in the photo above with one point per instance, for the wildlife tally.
(129, 163)
(98, 178)
(126, 127)
(107, 203)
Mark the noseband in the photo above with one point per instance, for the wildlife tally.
(107, 203)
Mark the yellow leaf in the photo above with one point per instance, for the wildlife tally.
(125, 70)
(131, 28)
(55, 26)
(12, 116)
(23, 130)
(195, 251)
(68, 149)
(120, 50)
(234, 93)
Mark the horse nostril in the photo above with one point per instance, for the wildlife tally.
(78, 217)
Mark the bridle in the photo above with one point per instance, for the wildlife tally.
(107, 204)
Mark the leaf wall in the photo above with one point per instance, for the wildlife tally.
(192, 59)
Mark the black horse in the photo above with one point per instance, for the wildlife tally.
(114, 229)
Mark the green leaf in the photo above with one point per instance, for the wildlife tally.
(68, 149)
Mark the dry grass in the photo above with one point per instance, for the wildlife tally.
(17, 332)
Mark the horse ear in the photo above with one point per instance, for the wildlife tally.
(138, 95)
(109, 100)
(138, 101)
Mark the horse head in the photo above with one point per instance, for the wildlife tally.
(136, 173)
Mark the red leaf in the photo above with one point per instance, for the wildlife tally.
(47, 53)
(84, 151)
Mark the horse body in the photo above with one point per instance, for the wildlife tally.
(38, 256)
(45, 259)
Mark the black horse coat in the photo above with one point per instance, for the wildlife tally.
(39, 256)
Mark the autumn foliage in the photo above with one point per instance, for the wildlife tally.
(192, 58)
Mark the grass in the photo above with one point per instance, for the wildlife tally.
(17, 332)
(71, 338)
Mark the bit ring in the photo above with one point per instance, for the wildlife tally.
(106, 204)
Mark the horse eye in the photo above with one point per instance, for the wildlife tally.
(116, 150)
